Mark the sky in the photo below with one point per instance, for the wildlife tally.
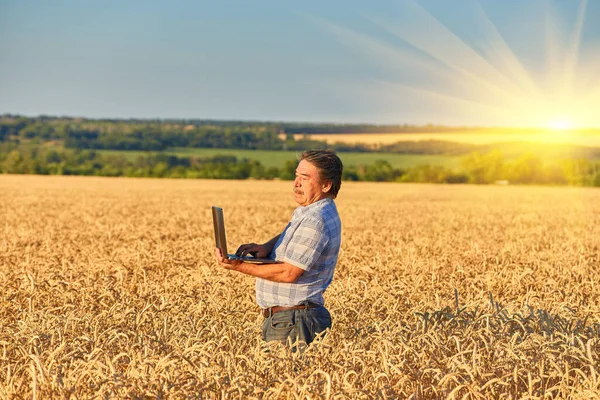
(451, 62)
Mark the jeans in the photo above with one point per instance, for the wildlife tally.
(296, 325)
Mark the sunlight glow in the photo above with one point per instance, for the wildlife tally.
(482, 83)
(561, 124)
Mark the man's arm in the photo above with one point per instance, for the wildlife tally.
(283, 272)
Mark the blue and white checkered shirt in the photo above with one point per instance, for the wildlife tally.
(311, 241)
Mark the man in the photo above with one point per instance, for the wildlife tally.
(290, 294)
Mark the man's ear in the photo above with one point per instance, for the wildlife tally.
(327, 187)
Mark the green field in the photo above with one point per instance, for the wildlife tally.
(275, 158)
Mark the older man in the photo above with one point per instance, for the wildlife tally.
(290, 294)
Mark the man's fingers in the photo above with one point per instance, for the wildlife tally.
(256, 250)
(240, 250)
(245, 252)
(246, 249)
(228, 264)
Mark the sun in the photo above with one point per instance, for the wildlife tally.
(560, 124)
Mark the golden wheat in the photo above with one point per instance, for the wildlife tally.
(108, 288)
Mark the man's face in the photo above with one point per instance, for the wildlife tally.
(308, 187)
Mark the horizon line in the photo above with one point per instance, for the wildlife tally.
(299, 122)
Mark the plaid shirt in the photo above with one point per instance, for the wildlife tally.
(311, 241)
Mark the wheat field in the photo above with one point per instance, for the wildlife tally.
(108, 289)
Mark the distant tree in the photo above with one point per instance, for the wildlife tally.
(577, 172)
(288, 172)
(483, 168)
(52, 157)
(428, 174)
(381, 171)
(350, 173)
(527, 169)
(456, 178)
(554, 174)
(13, 163)
(596, 179)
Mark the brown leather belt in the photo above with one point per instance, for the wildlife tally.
(267, 312)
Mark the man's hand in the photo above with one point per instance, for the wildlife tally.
(253, 249)
(225, 262)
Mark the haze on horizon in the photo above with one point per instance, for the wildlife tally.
(468, 63)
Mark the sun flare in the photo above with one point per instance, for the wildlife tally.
(489, 82)
(561, 124)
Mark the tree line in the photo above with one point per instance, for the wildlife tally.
(474, 168)
(280, 126)
(158, 135)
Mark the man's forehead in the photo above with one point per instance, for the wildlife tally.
(306, 168)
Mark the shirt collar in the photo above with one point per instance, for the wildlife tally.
(317, 204)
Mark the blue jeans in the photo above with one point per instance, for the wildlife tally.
(296, 325)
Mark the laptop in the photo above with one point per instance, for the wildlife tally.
(221, 241)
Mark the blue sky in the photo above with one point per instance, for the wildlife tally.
(463, 62)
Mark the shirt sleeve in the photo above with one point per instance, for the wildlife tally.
(307, 244)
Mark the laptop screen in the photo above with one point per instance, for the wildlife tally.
(219, 225)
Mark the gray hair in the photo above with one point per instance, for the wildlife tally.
(329, 165)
